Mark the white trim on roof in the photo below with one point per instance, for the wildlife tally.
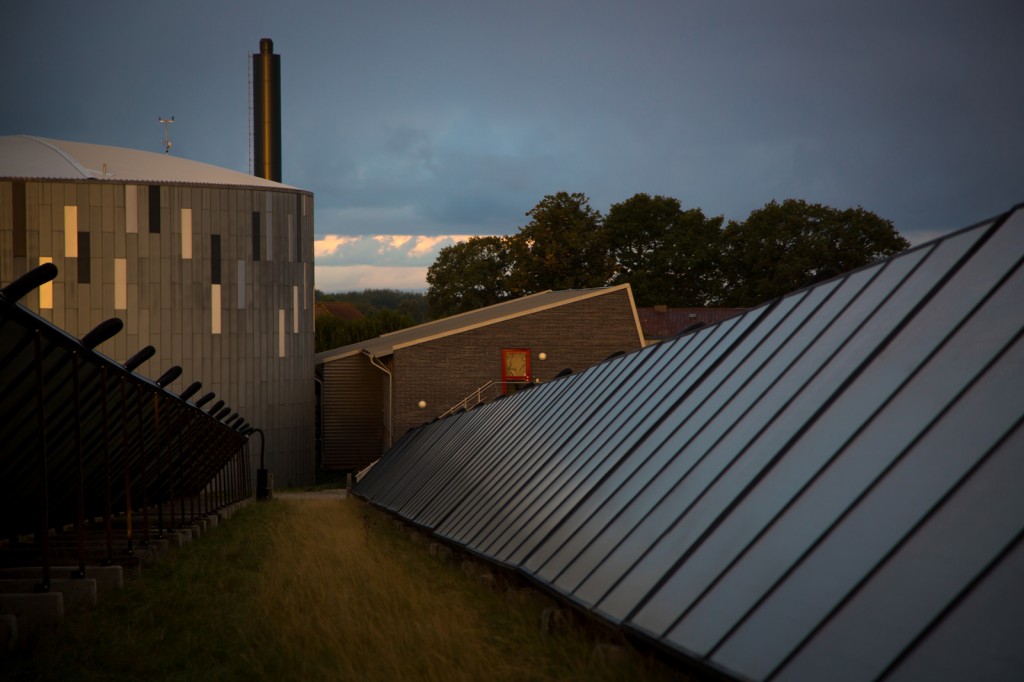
(36, 158)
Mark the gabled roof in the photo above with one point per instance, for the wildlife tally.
(385, 345)
(37, 158)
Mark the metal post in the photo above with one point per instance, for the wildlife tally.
(44, 502)
(106, 465)
(181, 463)
(262, 492)
(80, 523)
(145, 474)
(156, 442)
(127, 466)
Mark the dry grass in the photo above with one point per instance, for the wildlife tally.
(314, 590)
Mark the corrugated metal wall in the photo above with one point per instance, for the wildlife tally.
(353, 412)
(827, 487)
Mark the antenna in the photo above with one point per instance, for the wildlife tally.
(167, 133)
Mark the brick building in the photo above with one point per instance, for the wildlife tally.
(661, 322)
(375, 390)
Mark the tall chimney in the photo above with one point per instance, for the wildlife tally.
(266, 69)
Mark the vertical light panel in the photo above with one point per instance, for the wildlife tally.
(71, 232)
(131, 208)
(215, 308)
(241, 284)
(280, 332)
(305, 287)
(120, 284)
(46, 290)
(295, 310)
(186, 233)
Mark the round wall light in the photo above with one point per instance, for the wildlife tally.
(422, 404)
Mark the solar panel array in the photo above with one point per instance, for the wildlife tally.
(830, 486)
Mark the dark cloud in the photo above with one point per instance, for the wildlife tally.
(408, 117)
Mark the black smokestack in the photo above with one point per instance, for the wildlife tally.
(266, 69)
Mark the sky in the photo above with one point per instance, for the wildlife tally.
(417, 124)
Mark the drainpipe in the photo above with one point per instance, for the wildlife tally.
(391, 405)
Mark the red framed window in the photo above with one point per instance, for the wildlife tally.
(515, 369)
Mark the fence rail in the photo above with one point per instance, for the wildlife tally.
(94, 458)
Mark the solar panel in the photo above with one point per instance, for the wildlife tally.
(825, 487)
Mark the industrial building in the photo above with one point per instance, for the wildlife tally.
(212, 267)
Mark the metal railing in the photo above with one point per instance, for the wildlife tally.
(94, 458)
(484, 394)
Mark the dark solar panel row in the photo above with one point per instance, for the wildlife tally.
(83, 437)
(829, 486)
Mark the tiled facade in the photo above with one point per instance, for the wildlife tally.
(218, 279)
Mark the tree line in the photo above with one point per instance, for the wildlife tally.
(383, 311)
(669, 255)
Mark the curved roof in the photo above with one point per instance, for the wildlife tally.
(37, 158)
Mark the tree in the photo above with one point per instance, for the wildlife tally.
(562, 247)
(668, 255)
(782, 247)
(469, 275)
(332, 332)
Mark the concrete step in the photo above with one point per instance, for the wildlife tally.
(33, 611)
(105, 577)
(8, 632)
(78, 593)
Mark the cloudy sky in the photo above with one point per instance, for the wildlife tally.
(418, 123)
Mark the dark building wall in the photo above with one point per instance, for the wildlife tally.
(248, 338)
(353, 411)
(444, 371)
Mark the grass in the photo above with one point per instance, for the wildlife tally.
(313, 590)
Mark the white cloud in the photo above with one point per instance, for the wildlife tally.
(392, 241)
(329, 244)
(331, 278)
(425, 245)
(381, 261)
(382, 249)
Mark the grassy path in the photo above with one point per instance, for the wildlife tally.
(310, 590)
